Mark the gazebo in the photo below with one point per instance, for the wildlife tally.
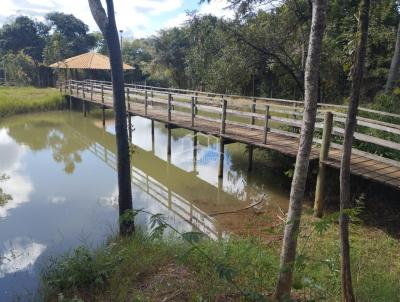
(91, 62)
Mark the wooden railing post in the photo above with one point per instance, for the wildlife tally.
(128, 97)
(169, 106)
(77, 88)
(324, 152)
(193, 110)
(91, 91)
(223, 116)
(253, 110)
(266, 119)
(103, 113)
(145, 101)
(195, 103)
(152, 96)
(83, 89)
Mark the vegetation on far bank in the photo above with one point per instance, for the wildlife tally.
(144, 269)
(15, 100)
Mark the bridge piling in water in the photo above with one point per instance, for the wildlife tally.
(221, 158)
(169, 141)
(195, 151)
(84, 108)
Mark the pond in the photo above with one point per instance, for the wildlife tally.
(60, 188)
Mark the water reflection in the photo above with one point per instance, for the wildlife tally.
(64, 188)
(19, 254)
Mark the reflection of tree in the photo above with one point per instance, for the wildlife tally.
(4, 197)
(39, 132)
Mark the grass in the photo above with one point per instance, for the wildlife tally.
(144, 269)
(16, 100)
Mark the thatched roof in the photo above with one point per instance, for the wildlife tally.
(90, 60)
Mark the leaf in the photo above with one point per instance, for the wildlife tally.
(157, 224)
(225, 272)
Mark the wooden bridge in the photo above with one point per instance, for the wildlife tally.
(266, 123)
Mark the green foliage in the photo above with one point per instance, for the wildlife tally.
(20, 68)
(23, 34)
(123, 267)
(83, 268)
(33, 45)
(15, 100)
(70, 37)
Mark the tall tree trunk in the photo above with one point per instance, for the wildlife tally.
(351, 122)
(394, 72)
(108, 27)
(288, 254)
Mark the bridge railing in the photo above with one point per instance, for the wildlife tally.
(374, 137)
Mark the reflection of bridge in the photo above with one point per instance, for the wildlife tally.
(161, 180)
(172, 201)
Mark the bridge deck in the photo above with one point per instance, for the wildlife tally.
(364, 165)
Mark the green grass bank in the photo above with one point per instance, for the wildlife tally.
(241, 268)
(16, 100)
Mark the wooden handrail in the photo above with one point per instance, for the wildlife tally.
(251, 113)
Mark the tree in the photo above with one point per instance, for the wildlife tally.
(170, 50)
(69, 32)
(351, 122)
(289, 245)
(394, 72)
(108, 27)
(24, 34)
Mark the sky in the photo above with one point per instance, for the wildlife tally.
(137, 18)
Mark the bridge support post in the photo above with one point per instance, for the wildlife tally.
(250, 163)
(221, 158)
(84, 108)
(320, 188)
(169, 142)
(195, 151)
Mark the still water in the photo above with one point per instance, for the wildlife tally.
(60, 173)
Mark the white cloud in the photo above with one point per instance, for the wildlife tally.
(177, 21)
(137, 18)
(19, 186)
(219, 8)
(19, 254)
(131, 16)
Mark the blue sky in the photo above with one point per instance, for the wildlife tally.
(138, 18)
